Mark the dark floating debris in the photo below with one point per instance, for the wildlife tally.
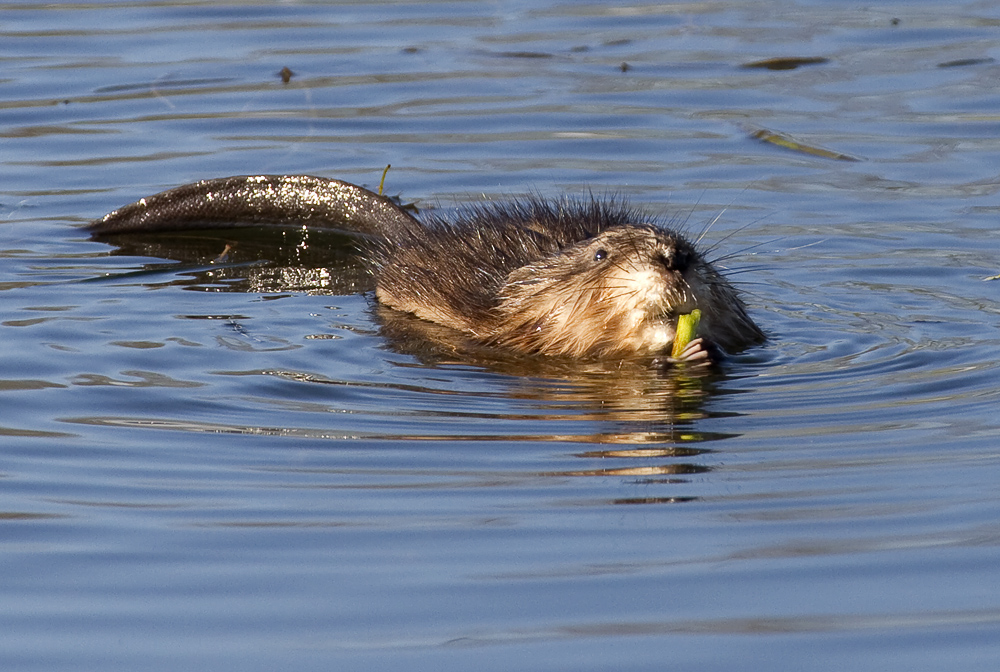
(788, 142)
(524, 54)
(286, 74)
(786, 63)
(162, 84)
(962, 62)
(625, 67)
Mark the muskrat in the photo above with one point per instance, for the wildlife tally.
(588, 279)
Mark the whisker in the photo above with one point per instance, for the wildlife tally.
(705, 229)
(683, 225)
(802, 247)
(730, 272)
(715, 245)
(741, 252)
(623, 295)
(708, 227)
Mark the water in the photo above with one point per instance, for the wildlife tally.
(242, 469)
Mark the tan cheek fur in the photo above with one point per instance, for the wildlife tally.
(624, 313)
(642, 298)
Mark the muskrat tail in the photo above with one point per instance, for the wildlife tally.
(261, 200)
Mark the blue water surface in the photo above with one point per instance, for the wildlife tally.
(240, 468)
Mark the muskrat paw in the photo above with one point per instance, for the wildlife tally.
(697, 352)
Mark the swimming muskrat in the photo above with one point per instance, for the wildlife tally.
(588, 279)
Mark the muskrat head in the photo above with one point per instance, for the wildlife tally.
(616, 293)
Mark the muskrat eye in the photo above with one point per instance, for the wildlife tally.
(600, 255)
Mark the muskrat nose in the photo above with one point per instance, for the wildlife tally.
(673, 259)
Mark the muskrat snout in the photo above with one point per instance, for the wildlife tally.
(674, 259)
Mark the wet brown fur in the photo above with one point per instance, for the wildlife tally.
(583, 279)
